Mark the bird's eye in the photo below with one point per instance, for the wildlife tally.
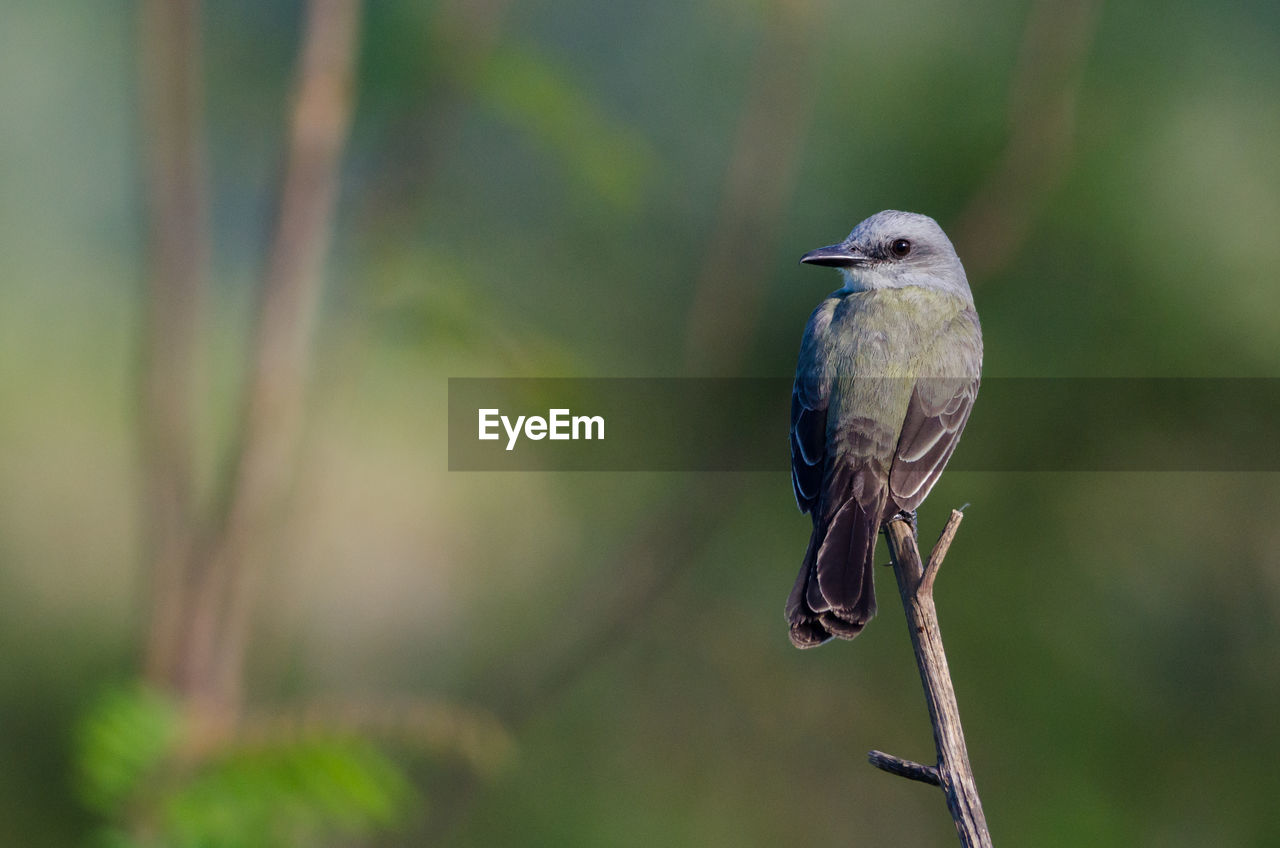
(900, 247)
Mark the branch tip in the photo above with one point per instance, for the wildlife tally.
(940, 552)
(905, 768)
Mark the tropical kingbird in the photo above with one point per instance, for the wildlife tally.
(889, 368)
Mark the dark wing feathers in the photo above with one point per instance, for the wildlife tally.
(808, 444)
(839, 583)
(936, 415)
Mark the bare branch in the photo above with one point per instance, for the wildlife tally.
(940, 552)
(272, 414)
(954, 772)
(178, 252)
(904, 768)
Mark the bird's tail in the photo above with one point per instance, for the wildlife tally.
(835, 592)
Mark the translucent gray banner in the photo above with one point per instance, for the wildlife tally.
(1018, 424)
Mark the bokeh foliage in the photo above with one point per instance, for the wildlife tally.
(272, 793)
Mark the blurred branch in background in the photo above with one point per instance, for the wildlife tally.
(202, 583)
(205, 563)
(172, 98)
(167, 766)
(757, 189)
(1042, 111)
(271, 421)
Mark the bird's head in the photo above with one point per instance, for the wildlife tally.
(894, 250)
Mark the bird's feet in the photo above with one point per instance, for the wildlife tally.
(909, 516)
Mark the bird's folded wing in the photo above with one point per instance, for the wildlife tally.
(936, 415)
(808, 440)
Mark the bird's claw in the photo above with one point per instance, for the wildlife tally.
(909, 516)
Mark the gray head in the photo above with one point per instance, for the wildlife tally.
(893, 250)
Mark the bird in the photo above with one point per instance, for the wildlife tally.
(888, 371)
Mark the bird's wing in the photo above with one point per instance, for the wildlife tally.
(810, 396)
(808, 443)
(935, 416)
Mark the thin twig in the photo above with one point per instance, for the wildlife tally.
(940, 552)
(904, 768)
(954, 772)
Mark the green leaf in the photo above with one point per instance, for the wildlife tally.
(274, 793)
(123, 739)
(293, 794)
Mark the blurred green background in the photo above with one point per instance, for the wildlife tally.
(566, 188)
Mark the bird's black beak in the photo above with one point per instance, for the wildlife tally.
(835, 256)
